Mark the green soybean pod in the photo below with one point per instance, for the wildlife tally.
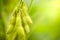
(11, 23)
(27, 29)
(9, 29)
(28, 19)
(25, 11)
(18, 19)
(12, 35)
(19, 24)
(21, 31)
(25, 25)
(24, 8)
(12, 19)
(23, 19)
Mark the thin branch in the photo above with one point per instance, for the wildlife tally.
(30, 5)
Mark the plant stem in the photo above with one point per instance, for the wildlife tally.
(30, 5)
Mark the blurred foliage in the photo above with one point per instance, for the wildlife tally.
(45, 15)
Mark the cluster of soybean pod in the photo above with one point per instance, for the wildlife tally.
(19, 22)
